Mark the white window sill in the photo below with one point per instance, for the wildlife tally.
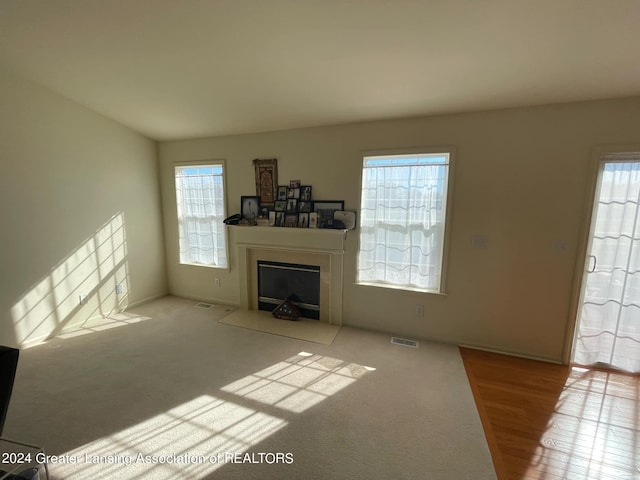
(400, 287)
(216, 267)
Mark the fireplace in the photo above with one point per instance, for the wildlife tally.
(278, 281)
(321, 249)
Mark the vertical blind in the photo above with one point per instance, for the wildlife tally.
(609, 321)
(402, 225)
(200, 201)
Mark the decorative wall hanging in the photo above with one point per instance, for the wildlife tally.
(266, 180)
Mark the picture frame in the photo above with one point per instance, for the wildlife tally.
(291, 220)
(328, 205)
(279, 219)
(292, 205)
(264, 212)
(250, 207)
(294, 183)
(325, 218)
(304, 206)
(313, 220)
(282, 192)
(305, 193)
(272, 218)
(303, 220)
(280, 206)
(266, 173)
(325, 210)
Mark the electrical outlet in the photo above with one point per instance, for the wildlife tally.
(83, 299)
(217, 282)
(419, 310)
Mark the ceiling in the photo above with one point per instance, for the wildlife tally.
(177, 69)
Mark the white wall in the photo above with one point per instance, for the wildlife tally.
(79, 213)
(521, 179)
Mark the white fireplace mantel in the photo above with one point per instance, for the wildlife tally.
(320, 247)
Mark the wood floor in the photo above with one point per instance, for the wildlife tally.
(546, 421)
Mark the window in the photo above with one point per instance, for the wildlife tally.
(403, 216)
(200, 202)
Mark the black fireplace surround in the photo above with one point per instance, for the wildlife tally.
(278, 281)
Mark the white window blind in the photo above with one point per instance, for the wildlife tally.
(402, 225)
(201, 211)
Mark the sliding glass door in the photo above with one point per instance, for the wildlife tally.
(608, 330)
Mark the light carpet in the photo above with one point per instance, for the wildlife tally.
(303, 329)
(165, 391)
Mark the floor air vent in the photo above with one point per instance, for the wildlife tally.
(404, 342)
(204, 306)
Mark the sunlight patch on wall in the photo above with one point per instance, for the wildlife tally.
(299, 382)
(34, 316)
(187, 442)
(80, 288)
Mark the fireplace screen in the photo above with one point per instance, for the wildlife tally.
(278, 281)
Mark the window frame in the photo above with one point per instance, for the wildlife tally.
(200, 164)
(448, 211)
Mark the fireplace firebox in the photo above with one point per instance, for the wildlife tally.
(278, 281)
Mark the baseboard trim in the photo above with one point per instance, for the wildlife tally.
(34, 342)
(511, 353)
(67, 329)
(145, 300)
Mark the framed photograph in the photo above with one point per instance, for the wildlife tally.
(291, 220)
(325, 218)
(292, 205)
(303, 220)
(250, 207)
(294, 183)
(279, 219)
(328, 205)
(272, 218)
(304, 206)
(305, 193)
(266, 180)
(325, 210)
(282, 192)
(264, 212)
(313, 220)
(280, 205)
